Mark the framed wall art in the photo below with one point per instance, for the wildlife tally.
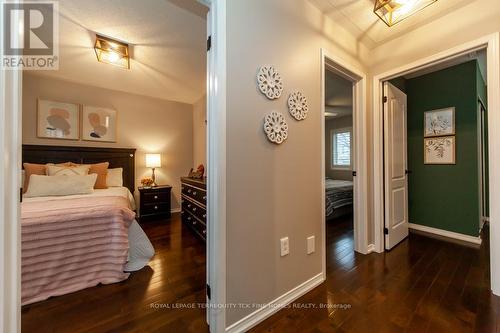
(99, 124)
(58, 120)
(439, 150)
(439, 122)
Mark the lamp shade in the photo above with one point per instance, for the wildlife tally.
(153, 160)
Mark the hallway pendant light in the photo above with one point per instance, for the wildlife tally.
(112, 52)
(394, 11)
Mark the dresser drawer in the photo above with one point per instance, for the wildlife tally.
(194, 209)
(159, 208)
(199, 227)
(156, 197)
(196, 193)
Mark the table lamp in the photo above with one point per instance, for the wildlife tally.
(153, 161)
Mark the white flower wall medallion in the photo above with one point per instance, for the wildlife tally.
(276, 127)
(270, 82)
(297, 105)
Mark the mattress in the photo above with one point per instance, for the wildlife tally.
(338, 194)
(140, 250)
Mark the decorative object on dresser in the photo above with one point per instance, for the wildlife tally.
(153, 161)
(194, 205)
(199, 173)
(155, 202)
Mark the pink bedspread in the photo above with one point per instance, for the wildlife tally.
(72, 244)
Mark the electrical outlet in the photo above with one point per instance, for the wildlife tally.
(310, 245)
(284, 246)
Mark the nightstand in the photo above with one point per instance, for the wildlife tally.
(154, 202)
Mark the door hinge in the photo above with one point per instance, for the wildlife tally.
(354, 173)
(209, 43)
(386, 231)
(209, 292)
(407, 172)
(384, 99)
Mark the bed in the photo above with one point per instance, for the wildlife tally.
(74, 242)
(338, 197)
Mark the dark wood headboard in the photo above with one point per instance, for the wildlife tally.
(117, 158)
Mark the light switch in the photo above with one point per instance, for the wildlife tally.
(310, 245)
(284, 246)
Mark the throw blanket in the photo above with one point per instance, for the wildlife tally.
(72, 244)
(338, 194)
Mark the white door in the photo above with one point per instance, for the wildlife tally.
(395, 161)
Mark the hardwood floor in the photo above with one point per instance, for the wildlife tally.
(423, 285)
(176, 275)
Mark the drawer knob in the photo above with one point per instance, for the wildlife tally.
(204, 215)
(189, 205)
(194, 193)
(194, 209)
(156, 197)
(156, 207)
(205, 197)
(189, 218)
(204, 231)
(194, 222)
(189, 190)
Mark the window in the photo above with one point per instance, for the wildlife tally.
(341, 148)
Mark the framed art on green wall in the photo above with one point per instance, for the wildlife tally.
(439, 150)
(439, 122)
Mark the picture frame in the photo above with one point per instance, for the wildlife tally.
(439, 122)
(99, 124)
(440, 150)
(57, 120)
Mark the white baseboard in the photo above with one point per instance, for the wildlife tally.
(175, 210)
(370, 248)
(448, 234)
(274, 306)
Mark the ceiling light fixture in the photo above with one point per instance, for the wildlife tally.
(394, 11)
(112, 52)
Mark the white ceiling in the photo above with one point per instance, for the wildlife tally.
(338, 95)
(168, 46)
(358, 18)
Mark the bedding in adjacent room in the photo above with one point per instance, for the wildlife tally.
(338, 194)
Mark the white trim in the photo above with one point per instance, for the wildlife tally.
(446, 233)
(175, 210)
(216, 155)
(10, 184)
(370, 248)
(359, 160)
(491, 43)
(274, 306)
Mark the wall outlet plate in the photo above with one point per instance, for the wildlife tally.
(284, 246)
(310, 245)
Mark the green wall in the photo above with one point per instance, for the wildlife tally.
(445, 196)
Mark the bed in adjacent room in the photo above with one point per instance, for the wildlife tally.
(76, 241)
(339, 198)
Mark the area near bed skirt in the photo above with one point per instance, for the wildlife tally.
(338, 194)
(72, 244)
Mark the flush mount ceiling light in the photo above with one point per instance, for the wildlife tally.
(394, 11)
(112, 52)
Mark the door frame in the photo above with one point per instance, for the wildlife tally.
(360, 164)
(10, 183)
(490, 43)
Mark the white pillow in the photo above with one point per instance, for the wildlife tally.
(115, 177)
(62, 170)
(41, 186)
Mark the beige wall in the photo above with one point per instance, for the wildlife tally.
(274, 191)
(330, 125)
(144, 123)
(200, 132)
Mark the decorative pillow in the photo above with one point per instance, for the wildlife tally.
(101, 169)
(59, 170)
(32, 169)
(41, 186)
(115, 177)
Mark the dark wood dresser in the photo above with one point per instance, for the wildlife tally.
(194, 205)
(154, 202)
